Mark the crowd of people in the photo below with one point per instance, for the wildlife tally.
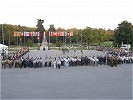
(16, 54)
(112, 58)
(10, 58)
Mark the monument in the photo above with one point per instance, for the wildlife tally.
(44, 45)
(43, 42)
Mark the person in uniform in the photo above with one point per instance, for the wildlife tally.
(49, 62)
(46, 62)
(40, 62)
(59, 63)
(55, 63)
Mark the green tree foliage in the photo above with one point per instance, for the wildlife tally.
(29, 43)
(58, 44)
(92, 36)
(8, 31)
(88, 35)
(51, 29)
(123, 33)
(109, 35)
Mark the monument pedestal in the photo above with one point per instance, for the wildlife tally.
(44, 43)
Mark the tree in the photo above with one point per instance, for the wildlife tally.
(29, 43)
(51, 29)
(123, 33)
(109, 35)
(58, 44)
(8, 31)
(101, 36)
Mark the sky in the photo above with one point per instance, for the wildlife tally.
(67, 13)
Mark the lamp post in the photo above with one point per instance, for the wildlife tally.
(81, 39)
(9, 40)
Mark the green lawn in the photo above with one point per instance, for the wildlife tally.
(107, 44)
(53, 47)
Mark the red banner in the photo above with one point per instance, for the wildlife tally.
(60, 34)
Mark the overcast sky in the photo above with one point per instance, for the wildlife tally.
(67, 13)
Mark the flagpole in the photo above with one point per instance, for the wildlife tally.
(70, 39)
(77, 37)
(63, 38)
(56, 38)
(17, 39)
(49, 40)
(24, 38)
(9, 40)
(32, 38)
(2, 34)
(81, 40)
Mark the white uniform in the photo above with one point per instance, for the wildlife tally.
(55, 64)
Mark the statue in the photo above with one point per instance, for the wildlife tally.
(40, 29)
(42, 38)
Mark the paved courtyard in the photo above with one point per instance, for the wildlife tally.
(59, 53)
(82, 82)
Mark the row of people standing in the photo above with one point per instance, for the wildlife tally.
(58, 62)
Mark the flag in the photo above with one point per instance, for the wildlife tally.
(58, 34)
(15, 34)
(62, 34)
(49, 33)
(70, 34)
(53, 33)
(30, 33)
(65, 33)
(43, 34)
(26, 33)
(21, 34)
(33, 33)
(36, 33)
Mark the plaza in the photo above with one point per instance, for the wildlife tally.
(80, 82)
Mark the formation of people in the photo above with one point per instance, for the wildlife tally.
(16, 54)
(119, 57)
(112, 59)
(9, 60)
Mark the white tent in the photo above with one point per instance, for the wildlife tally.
(3, 48)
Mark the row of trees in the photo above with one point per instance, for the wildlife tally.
(85, 36)
(8, 31)
(89, 36)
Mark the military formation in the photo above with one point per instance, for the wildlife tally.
(112, 58)
(8, 61)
